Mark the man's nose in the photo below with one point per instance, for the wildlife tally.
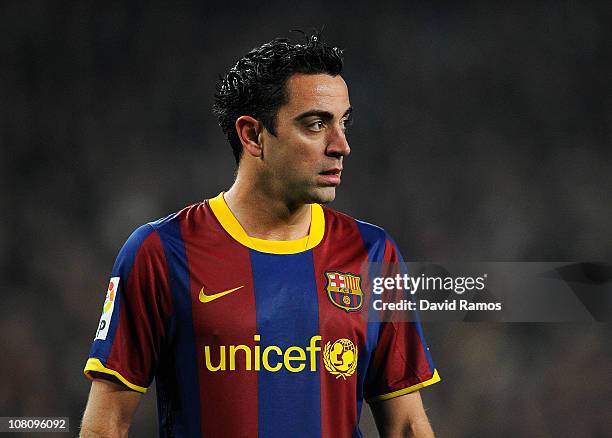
(338, 144)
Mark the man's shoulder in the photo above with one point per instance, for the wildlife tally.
(190, 212)
(167, 225)
(337, 220)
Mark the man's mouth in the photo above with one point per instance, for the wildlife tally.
(331, 177)
(334, 171)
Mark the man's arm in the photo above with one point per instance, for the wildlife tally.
(401, 417)
(109, 410)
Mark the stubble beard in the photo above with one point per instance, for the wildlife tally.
(323, 195)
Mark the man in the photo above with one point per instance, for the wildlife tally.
(246, 308)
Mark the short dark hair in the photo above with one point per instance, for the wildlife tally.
(256, 85)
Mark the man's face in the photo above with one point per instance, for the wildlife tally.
(303, 162)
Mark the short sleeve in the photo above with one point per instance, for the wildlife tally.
(401, 362)
(133, 327)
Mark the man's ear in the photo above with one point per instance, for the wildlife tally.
(249, 131)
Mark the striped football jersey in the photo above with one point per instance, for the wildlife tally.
(247, 337)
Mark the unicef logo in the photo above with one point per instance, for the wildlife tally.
(340, 358)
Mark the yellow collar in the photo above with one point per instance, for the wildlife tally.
(230, 224)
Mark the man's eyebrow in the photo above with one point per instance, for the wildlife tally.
(324, 115)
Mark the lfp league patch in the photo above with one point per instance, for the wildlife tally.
(107, 309)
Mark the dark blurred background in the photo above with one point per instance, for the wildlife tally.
(482, 132)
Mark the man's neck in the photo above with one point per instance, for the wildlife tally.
(267, 217)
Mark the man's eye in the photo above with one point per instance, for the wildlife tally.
(346, 123)
(316, 126)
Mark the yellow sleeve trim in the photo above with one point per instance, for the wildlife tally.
(96, 365)
(230, 224)
(434, 379)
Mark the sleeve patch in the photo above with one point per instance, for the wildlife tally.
(107, 310)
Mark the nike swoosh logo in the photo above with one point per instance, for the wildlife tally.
(208, 298)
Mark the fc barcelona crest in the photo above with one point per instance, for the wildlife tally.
(344, 290)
